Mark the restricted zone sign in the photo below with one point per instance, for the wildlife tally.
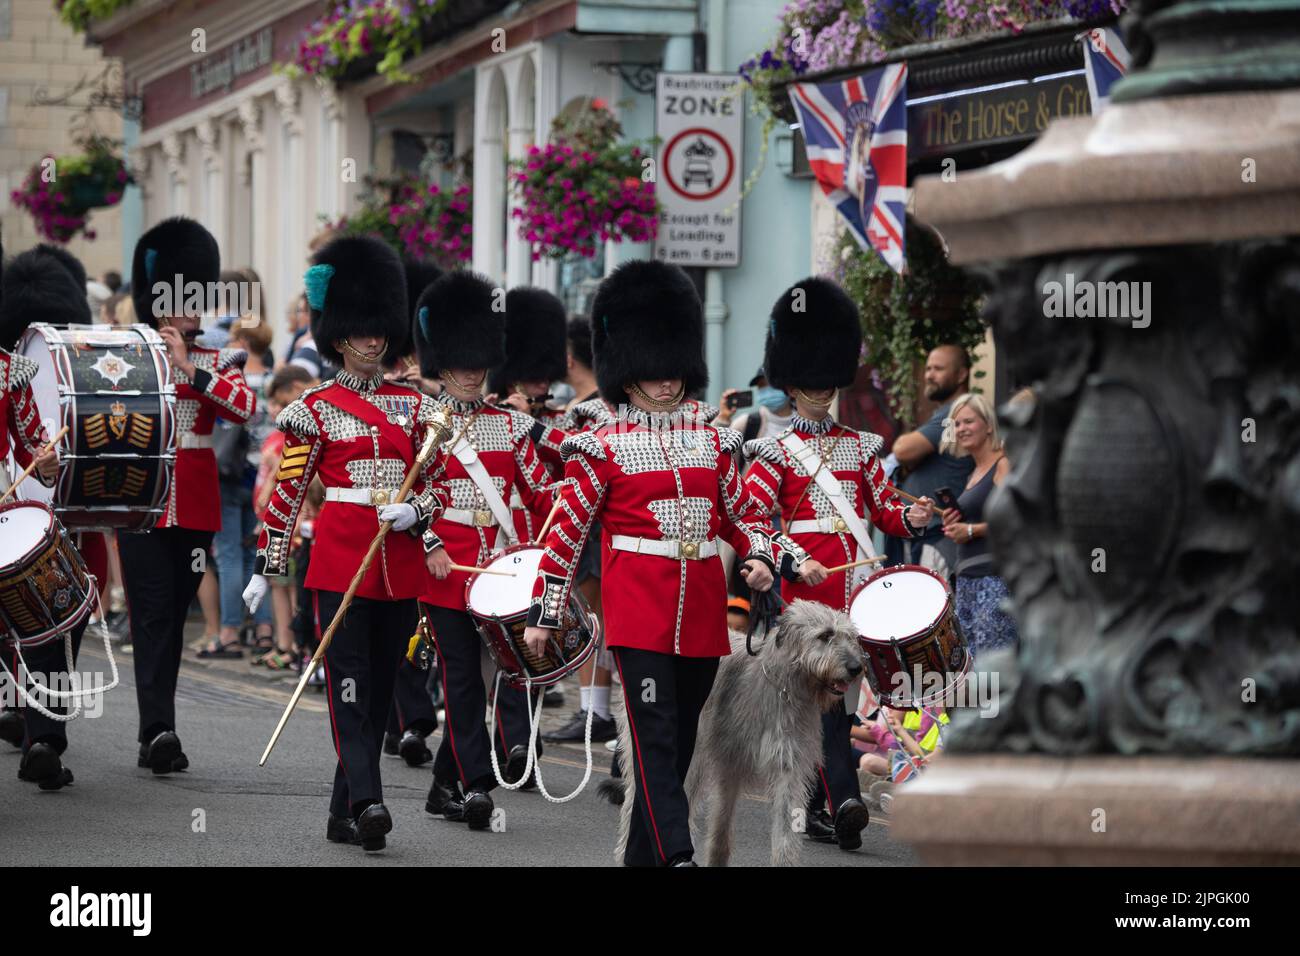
(700, 123)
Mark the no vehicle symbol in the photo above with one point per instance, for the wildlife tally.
(699, 164)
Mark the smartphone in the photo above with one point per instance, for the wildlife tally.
(946, 499)
(741, 399)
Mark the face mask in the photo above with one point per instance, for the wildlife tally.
(773, 399)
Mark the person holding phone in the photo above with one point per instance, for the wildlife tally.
(972, 433)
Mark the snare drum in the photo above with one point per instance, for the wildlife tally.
(499, 607)
(113, 388)
(907, 626)
(45, 589)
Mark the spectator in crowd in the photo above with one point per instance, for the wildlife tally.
(113, 279)
(107, 314)
(285, 386)
(238, 449)
(297, 323)
(771, 416)
(305, 353)
(972, 433)
(124, 314)
(947, 376)
(97, 296)
(737, 614)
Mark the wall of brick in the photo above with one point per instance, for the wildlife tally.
(40, 53)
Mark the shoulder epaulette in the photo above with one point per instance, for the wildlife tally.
(729, 439)
(871, 444)
(586, 443)
(521, 423)
(769, 449)
(231, 358)
(21, 371)
(297, 418)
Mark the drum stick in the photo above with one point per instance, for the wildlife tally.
(32, 467)
(541, 535)
(856, 564)
(468, 570)
(438, 433)
(906, 497)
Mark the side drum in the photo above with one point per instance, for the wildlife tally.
(45, 589)
(113, 388)
(498, 603)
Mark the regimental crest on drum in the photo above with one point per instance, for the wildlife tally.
(113, 368)
(104, 482)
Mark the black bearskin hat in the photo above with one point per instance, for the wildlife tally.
(176, 246)
(647, 322)
(420, 274)
(356, 286)
(457, 326)
(37, 287)
(70, 262)
(536, 340)
(814, 337)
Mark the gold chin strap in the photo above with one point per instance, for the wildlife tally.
(357, 353)
(654, 403)
(814, 402)
(447, 376)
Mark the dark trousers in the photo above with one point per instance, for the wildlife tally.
(412, 705)
(664, 694)
(49, 661)
(360, 669)
(161, 571)
(463, 753)
(837, 777)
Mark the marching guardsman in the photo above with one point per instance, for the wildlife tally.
(35, 287)
(460, 335)
(824, 479)
(412, 716)
(536, 346)
(665, 488)
(360, 435)
(162, 568)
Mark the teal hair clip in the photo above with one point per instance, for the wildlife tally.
(423, 318)
(317, 281)
(150, 258)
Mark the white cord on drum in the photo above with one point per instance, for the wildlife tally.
(76, 693)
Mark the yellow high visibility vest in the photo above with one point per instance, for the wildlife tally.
(912, 723)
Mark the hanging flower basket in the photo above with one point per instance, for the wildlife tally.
(584, 187)
(60, 201)
(905, 316)
(417, 218)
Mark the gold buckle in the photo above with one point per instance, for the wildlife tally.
(841, 524)
(690, 549)
(483, 518)
(379, 497)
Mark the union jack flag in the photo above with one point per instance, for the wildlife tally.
(856, 135)
(1105, 60)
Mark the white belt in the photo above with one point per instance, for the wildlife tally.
(481, 518)
(832, 524)
(194, 441)
(665, 547)
(361, 496)
(516, 502)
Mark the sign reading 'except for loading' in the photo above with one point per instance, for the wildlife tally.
(700, 124)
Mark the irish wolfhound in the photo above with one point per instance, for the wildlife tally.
(761, 729)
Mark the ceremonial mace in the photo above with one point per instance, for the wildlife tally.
(439, 432)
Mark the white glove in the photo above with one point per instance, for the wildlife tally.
(402, 516)
(255, 592)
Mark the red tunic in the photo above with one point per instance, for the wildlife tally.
(501, 438)
(21, 430)
(780, 483)
(218, 391)
(354, 433)
(657, 477)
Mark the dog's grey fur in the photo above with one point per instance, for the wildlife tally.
(761, 730)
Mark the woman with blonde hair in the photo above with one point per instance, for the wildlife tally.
(972, 429)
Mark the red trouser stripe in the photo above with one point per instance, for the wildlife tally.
(446, 706)
(329, 686)
(636, 745)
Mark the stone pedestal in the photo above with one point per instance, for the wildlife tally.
(1001, 810)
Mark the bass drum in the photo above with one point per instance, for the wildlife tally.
(112, 387)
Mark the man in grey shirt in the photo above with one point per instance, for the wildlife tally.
(947, 376)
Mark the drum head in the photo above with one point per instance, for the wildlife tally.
(494, 595)
(23, 526)
(897, 603)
